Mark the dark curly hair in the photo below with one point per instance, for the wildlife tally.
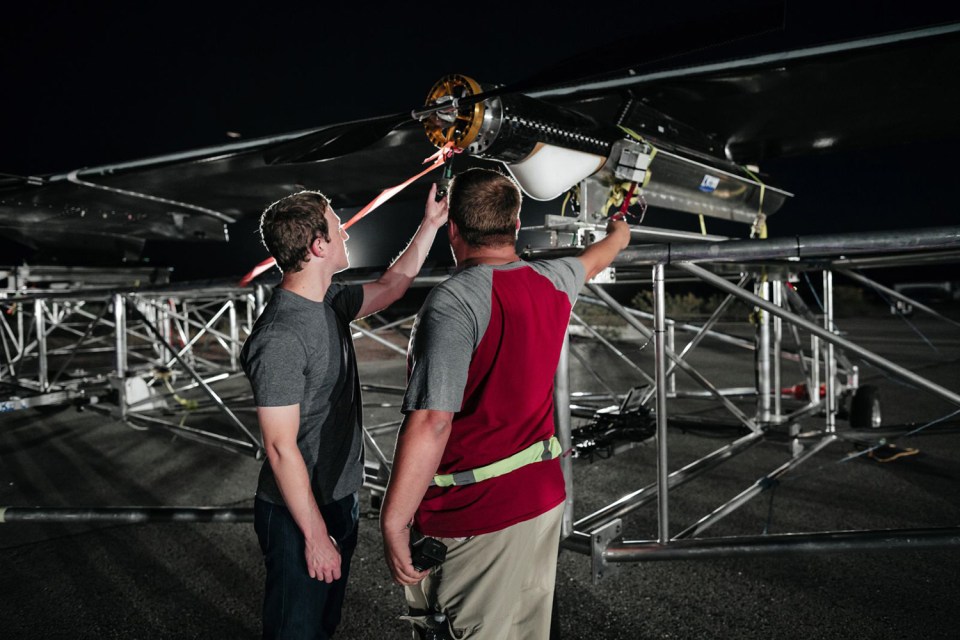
(289, 225)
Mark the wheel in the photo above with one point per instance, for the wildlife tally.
(865, 408)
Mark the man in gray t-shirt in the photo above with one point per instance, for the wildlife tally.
(300, 361)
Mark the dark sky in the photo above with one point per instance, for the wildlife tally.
(96, 83)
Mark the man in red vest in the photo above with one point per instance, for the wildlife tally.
(476, 463)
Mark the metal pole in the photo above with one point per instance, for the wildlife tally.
(753, 491)
(234, 337)
(622, 356)
(120, 335)
(699, 334)
(831, 360)
(699, 331)
(762, 288)
(261, 300)
(561, 418)
(672, 344)
(685, 366)
(203, 385)
(843, 343)
(777, 352)
(897, 295)
(40, 322)
(660, 334)
(784, 544)
(814, 390)
(817, 246)
(370, 334)
(631, 502)
(196, 435)
(124, 515)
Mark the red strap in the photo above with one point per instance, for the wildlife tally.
(443, 154)
(622, 214)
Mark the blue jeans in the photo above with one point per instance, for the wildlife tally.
(294, 604)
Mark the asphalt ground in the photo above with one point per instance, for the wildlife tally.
(205, 580)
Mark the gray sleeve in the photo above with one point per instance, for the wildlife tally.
(275, 364)
(567, 274)
(346, 300)
(442, 344)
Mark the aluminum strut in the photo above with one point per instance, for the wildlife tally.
(822, 333)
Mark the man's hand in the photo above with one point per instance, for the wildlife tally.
(323, 558)
(600, 254)
(396, 551)
(619, 227)
(435, 213)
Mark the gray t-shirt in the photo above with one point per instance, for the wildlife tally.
(453, 321)
(301, 352)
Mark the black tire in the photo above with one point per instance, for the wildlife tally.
(865, 408)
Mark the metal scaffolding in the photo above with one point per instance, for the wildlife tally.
(163, 357)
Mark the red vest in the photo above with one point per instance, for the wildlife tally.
(507, 406)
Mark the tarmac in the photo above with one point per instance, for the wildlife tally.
(205, 580)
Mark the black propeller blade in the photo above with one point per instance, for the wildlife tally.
(334, 141)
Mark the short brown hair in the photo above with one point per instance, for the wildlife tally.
(289, 225)
(485, 205)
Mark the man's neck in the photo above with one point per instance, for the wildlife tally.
(504, 254)
(309, 284)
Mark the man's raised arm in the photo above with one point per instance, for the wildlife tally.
(396, 280)
(599, 255)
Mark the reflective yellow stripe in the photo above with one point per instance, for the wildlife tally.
(537, 452)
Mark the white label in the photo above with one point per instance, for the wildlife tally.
(709, 183)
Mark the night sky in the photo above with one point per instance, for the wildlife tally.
(97, 83)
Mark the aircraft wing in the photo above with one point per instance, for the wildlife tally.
(868, 92)
(872, 91)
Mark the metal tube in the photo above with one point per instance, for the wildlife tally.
(777, 352)
(897, 295)
(816, 246)
(785, 544)
(660, 334)
(561, 418)
(622, 356)
(120, 334)
(76, 347)
(376, 338)
(187, 348)
(39, 320)
(826, 335)
(753, 491)
(124, 515)
(234, 337)
(383, 465)
(203, 385)
(196, 435)
(831, 359)
(261, 300)
(689, 370)
(762, 288)
(672, 344)
(633, 501)
(814, 390)
(585, 363)
(691, 328)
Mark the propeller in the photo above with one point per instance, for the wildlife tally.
(335, 141)
(445, 109)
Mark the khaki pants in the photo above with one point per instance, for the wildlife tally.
(494, 586)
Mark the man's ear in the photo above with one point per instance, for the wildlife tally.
(317, 247)
(452, 230)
